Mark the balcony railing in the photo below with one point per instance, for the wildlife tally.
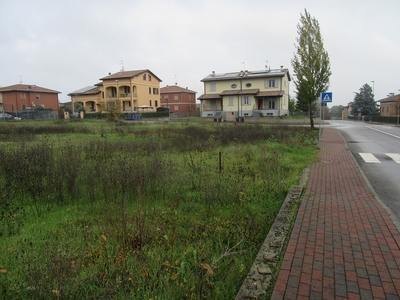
(122, 95)
(212, 108)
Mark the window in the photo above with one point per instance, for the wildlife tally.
(246, 100)
(270, 83)
(22, 95)
(127, 89)
(150, 90)
(149, 78)
(233, 86)
(149, 102)
(213, 86)
(37, 96)
(144, 76)
(230, 101)
(176, 107)
(248, 84)
(155, 91)
(166, 98)
(271, 104)
(23, 106)
(155, 103)
(176, 97)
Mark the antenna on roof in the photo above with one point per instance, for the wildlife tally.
(176, 83)
(266, 64)
(244, 65)
(20, 79)
(122, 65)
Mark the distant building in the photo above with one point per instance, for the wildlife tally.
(132, 90)
(346, 111)
(390, 106)
(23, 97)
(88, 97)
(181, 101)
(246, 94)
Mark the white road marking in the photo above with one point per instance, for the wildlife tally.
(394, 156)
(395, 136)
(369, 158)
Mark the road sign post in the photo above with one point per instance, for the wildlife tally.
(325, 98)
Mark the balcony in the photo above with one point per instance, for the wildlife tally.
(212, 107)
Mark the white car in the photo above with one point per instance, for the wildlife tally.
(6, 116)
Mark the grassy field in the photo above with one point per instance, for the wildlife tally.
(101, 210)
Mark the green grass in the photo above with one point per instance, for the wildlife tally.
(129, 211)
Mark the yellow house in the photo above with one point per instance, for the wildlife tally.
(131, 90)
(246, 94)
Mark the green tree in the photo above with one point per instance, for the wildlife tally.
(310, 64)
(303, 106)
(113, 109)
(364, 102)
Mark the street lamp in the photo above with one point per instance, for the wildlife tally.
(241, 75)
(398, 108)
(168, 108)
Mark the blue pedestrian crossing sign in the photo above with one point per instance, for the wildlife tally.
(326, 97)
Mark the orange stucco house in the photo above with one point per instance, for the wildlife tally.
(131, 90)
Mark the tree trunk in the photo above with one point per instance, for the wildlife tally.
(311, 115)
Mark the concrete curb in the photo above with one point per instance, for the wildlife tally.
(265, 267)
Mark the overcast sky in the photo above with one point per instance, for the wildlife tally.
(68, 45)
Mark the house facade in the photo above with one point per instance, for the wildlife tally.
(246, 94)
(88, 97)
(24, 97)
(130, 90)
(181, 101)
(389, 107)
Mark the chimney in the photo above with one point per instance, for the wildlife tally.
(281, 68)
(213, 73)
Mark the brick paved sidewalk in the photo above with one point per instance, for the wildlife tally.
(344, 244)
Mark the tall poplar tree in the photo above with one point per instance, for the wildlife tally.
(310, 63)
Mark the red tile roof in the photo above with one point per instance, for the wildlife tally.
(27, 88)
(209, 96)
(128, 74)
(239, 92)
(394, 98)
(270, 94)
(175, 89)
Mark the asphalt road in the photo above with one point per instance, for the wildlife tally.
(376, 149)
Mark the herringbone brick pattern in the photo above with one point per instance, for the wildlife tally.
(344, 245)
